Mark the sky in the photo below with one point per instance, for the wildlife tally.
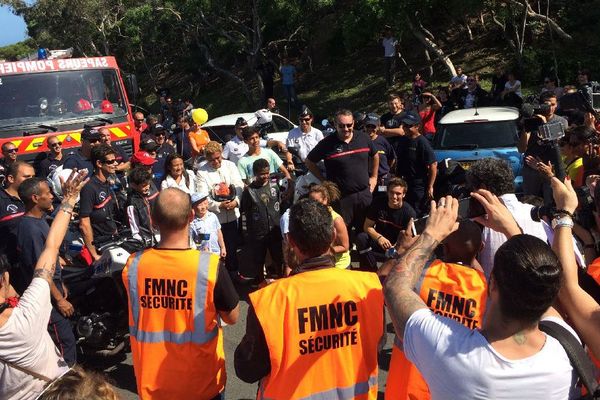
(13, 27)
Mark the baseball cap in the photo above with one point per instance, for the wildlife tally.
(198, 197)
(411, 119)
(149, 145)
(142, 157)
(240, 122)
(156, 129)
(89, 134)
(371, 119)
(107, 107)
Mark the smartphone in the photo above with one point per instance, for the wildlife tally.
(468, 208)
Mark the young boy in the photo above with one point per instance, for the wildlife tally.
(137, 207)
(205, 229)
(255, 152)
(261, 206)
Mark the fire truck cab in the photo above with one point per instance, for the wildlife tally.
(60, 97)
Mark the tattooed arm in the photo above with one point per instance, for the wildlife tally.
(44, 268)
(400, 297)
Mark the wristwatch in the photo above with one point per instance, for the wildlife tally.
(563, 221)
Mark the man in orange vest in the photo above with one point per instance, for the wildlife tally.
(176, 296)
(456, 288)
(314, 334)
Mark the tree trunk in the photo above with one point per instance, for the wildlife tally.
(429, 64)
(431, 46)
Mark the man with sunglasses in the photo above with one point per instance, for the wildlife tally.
(472, 95)
(9, 156)
(346, 155)
(139, 123)
(304, 138)
(53, 159)
(81, 158)
(98, 206)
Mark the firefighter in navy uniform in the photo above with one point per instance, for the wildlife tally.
(12, 208)
(98, 207)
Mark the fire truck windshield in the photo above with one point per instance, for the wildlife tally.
(56, 98)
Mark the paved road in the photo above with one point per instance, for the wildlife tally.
(122, 372)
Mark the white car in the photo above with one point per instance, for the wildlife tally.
(222, 130)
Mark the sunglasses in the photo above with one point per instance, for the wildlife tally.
(345, 125)
(546, 81)
(305, 119)
(55, 144)
(108, 162)
(93, 140)
(12, 151)
(160, 134)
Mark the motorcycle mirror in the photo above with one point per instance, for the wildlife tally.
(325, 123)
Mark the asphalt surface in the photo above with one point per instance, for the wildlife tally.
(121, 371)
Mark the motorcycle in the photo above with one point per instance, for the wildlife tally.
(98, 295)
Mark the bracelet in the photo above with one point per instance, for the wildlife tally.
(564, 212)
(562, 222)
(67, 211)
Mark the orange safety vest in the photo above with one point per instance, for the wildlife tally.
(451, 290)
(593, 270)
(176, 340)
(322, 329)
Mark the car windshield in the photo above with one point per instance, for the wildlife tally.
(58, 97)
(477, 135)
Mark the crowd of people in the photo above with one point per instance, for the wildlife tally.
(468, 297)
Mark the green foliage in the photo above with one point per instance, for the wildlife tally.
(17, 51)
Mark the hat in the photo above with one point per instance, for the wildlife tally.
(240, 122)
(371, 119)
(149, 145)
(88, 134)
(158, 128)
(198, 197)
(142, 157)
(107, 107)
(411, 119)
(305, 112)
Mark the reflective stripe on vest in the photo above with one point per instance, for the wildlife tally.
(199, 335)
(337, 393)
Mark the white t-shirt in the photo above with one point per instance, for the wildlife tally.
(304, 142)
(389, 46)
(24, 341)
(459, 80)
(459, 363)
(516, 86)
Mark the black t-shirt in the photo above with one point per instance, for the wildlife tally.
(347, 164)
(544, 150)
(225, 296)
(31, 238)
(389, 221)
(158, 169)
(181, 140)
(414, 157)
(47, 165)
(392, 121)
(121, 155)
(98, 203)
(79, 161)
(12, 210)
(386, 155)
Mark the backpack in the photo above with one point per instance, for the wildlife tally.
(579, 359)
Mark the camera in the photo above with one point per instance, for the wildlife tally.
(540, 212)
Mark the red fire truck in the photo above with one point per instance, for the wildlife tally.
(60, 97)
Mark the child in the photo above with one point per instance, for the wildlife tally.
(260, 205)
(137, 207)
(205, 229)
